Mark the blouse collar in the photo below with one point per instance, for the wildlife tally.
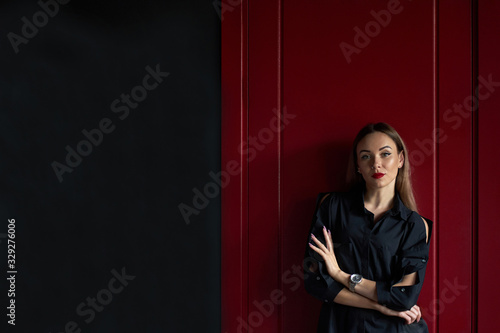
(359, 203)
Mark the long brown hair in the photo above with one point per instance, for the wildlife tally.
(403, 180)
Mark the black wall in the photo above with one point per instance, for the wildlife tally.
(117, 211)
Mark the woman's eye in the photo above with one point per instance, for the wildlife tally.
(364, 157)
(386, 154)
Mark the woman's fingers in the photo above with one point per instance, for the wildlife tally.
(328, 238)
(328, 241)
(319, 244)
(416, 309)
(412, 315)
(316, 249)
(408, 316)
(405, 316)
(415, 312)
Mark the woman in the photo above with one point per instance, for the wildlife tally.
(368, 247)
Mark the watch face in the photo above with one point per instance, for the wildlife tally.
(356, 278)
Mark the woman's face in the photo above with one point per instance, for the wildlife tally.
(378, 160)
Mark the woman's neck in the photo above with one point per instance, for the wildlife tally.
(380, 198)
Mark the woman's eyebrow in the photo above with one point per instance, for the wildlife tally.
(368, 151)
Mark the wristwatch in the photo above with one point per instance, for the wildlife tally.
(354, 280)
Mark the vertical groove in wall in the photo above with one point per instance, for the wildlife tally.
(474, 121)
(244, 241)
(435, 207)
(280, 161)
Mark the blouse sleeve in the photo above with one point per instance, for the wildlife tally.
(319, 283)
(412, 258)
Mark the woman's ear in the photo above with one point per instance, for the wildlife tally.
(401, 159)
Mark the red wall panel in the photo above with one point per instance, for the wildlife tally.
(454, 227)
(487, 120)
(263, 170)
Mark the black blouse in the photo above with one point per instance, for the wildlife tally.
(382, 252)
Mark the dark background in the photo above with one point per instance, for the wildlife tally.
(118, 209)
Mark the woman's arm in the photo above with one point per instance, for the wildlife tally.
(345, 297)
(366, 288)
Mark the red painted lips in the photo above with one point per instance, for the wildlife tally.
(378, 175)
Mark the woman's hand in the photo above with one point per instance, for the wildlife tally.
(409, 316)
(327, 253)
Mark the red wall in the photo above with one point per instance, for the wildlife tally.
(415, 72)
(487, 192)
